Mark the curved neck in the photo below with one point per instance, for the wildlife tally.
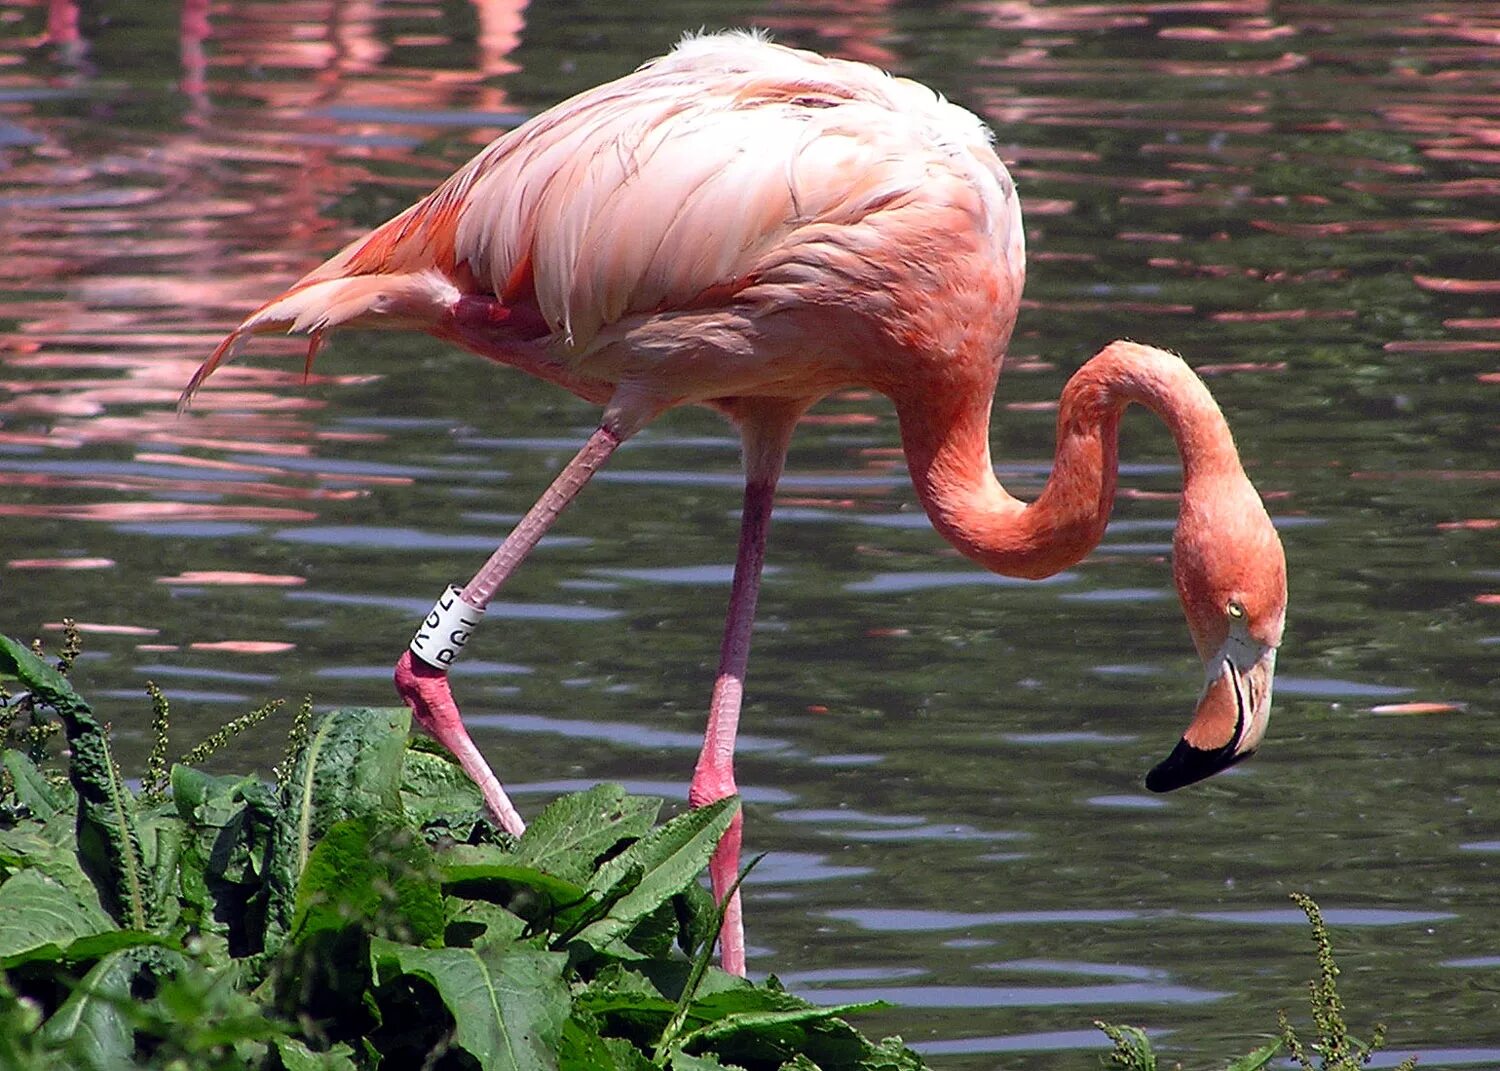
(948, 453)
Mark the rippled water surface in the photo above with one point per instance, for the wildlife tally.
(945, 767)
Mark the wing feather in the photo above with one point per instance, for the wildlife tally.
(690, 175)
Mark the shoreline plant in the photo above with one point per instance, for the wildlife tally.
(359, 912)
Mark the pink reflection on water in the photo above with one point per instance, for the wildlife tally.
(133, 254)
(60, 563)
(102, 629)
(250, 647)
(1417, 707)
(229, 578)
(155, 512)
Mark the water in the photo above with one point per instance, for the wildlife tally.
(945, 767)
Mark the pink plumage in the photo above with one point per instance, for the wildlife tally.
(751, 227)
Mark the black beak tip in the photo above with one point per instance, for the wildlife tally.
(1188, 764)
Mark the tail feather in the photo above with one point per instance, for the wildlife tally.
(411, 299)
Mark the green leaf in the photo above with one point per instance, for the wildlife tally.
(368, 870)
(694, 981)
(87, 948)
(490, 873)
(296, 1056)
(230, 827)
(569, 836)
(508, 1004)
(667, 860)
(95, 1023)
(37, 911)
(350, 767)
(757, 1022)
(32, 787)
(891, 1055)
(1254, 1061)
(108, 842)
(50, 848)
(582, 1049)
(208, 800)
(472, 923)
(617, 988)
(434, 789)
(162, 834)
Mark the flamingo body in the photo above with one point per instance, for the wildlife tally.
(751, 227)
(679, 234)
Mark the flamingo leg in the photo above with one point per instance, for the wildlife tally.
(424, 687)
(713, 777)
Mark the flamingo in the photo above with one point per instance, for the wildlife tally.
(749, 227)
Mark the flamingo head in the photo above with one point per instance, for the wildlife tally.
(1230, 572)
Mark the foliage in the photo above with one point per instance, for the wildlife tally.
(360, 914)
(1335, 1048)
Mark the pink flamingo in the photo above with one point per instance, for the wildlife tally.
(749, 227)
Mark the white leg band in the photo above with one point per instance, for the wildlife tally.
(441, 637)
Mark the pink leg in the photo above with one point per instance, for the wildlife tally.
(425, 687)
(713, 778)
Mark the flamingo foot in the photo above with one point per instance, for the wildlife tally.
(425, 689)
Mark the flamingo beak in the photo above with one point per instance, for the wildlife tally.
(1230, 719)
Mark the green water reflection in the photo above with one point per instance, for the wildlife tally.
(945, 767)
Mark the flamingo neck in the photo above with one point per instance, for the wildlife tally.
(947, 449)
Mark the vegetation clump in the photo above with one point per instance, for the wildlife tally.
(360, 913)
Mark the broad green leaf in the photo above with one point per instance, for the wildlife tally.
(95, 1023)
(472, 923)
(87, 948)
(36, 911)
(582, 1049)
(667, 859)
(574, 831)
(350, 767)
(489, 873)
(619, 988)
(50, 848)
(162, 834)
(108, 842)
(33, 789)
(371, 871)
(231, 820)
(436, 789)
(508, 1004)
(230, 826)
(207, 799)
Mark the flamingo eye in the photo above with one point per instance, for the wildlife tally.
(1236, 610)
